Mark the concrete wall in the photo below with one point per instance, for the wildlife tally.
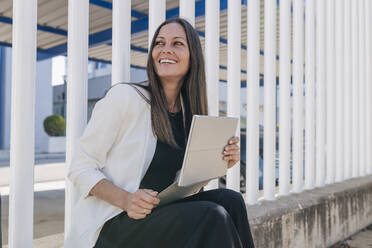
(315, 218)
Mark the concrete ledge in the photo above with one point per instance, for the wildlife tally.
(314, 218)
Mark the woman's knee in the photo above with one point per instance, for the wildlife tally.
(231, 196)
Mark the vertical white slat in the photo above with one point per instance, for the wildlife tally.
(22, 144)
(347, 90)
(121, 34)
(77, 88)
(187, 10)
(310, 95)
(156, 17)
(233, 79)
(253, 87)
(339, 45)
(362, 106)
(212, 54)
(368, 87)
(355, 87)
(320, 92)
(298, 112)
(285, 91)
(331, 141)
(269, 100)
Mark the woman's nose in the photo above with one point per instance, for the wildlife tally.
(166, 49)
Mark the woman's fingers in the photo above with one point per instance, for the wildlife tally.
(148, 197)
(231, 152)
(232, 157)
(233, 140)
(136, 216)
(143, 205)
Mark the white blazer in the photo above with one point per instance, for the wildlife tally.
(118, 144)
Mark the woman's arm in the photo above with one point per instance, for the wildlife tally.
(137, 205)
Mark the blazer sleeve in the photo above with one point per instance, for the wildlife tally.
(90, 153)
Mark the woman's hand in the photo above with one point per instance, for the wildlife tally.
(140, 203)
(231, 152)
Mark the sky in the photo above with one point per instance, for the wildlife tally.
(58, 70)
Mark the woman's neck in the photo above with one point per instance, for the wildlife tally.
(172, 91)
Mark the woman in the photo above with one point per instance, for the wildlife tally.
(131, 150)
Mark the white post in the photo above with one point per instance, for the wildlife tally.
(339, 46)
(310, 95)
(77, 88)
(233, 79)
(368, 87)
(270, 100)
(253, 87)
(320, 92)
(362, 90)
(330, 56)
(121, 34)
(347, 90)
(156, 16)
(187, 10)
(298, 111)
(355, 87)
(212, 31)
(22, 144)
(285, 84)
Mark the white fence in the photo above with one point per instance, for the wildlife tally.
(325, 90)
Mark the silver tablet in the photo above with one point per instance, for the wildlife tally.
(203, 157)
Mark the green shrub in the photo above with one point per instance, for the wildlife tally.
(55, 125)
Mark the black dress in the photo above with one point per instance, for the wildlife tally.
(215, 218)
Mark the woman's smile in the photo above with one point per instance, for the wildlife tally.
(171, 53)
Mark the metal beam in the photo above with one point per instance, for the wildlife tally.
(108, 5)
(44, 28)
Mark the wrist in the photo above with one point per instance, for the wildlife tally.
(123, 200)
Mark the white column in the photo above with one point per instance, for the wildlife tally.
(339, 32)
(22, 139)
(347, 91)
(187, 10)
(253, 87)
(355, 87)
(156, 16)
(362, 90)
(121, 34)
(331, 139)
(285, 84)
(233, 79)
(77, 88)
(212, 31)
(298, 101)
(269, 100)
(320, 92)
(310, 95)
(368, 87)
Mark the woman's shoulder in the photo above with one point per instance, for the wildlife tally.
(129, 91)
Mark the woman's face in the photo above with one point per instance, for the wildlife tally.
(171, 53)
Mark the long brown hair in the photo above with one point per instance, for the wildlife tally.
(193, 89)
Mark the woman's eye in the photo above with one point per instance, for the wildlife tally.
(158, 43)
(178, 43)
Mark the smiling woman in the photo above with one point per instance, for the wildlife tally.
(134, 145)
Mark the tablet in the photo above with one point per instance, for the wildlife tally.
(203, 156)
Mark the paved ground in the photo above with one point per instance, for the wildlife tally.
(49, 207)
(363, 239)
(49, 201)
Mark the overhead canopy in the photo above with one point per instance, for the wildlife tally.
(52, 29)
